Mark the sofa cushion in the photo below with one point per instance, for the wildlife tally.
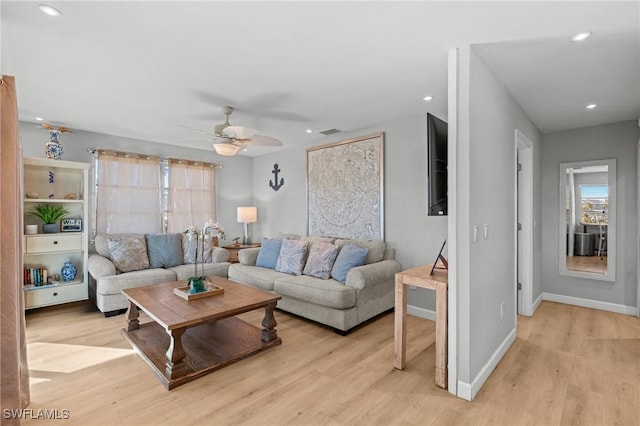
(101, 242)
(321, 258)
(292, 256)
(254, 275)
(328, 293)
(204, 269)
(164, 250)
(376, 248)
(269, 253)
(115, 283)
(128, 253)
(349, 257)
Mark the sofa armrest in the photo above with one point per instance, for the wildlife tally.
(99, 266)
(219, 254)
(248, 256)
(372, 274)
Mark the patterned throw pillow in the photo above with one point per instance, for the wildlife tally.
(269, 253)
(189, 249)
(292, 255)
(321, 258)
(349, 257)
(129, 253)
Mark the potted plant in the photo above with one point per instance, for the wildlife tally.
(50, 214)
(209, 230)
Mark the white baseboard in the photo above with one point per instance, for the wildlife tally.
(537, 303)
(421, 312)
(593, 304)
(469, 391)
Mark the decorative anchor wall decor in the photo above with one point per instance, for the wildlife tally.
(277, 185)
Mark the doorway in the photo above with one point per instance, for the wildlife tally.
(524, 224)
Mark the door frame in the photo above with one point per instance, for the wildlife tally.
(524, 151)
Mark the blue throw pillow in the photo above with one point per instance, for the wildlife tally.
(349, 257)
(164, 250)
(269, 252)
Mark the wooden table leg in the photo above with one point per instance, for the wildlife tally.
(176, 365)
(132, 317)
(441, 335)
(269, 323)
(400, 320)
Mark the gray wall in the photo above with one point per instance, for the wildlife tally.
(618, 141)
(416, 236)
(233, 180)
(487, 118)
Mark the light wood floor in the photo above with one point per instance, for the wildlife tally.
(568, 365)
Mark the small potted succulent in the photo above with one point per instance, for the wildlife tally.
(50, 214)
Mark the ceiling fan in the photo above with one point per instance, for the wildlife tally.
(229, 139)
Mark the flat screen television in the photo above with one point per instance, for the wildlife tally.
(437, 165)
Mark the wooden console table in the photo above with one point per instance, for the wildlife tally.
(235, 248)
(419, 277)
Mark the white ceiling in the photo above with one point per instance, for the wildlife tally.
(143, 69)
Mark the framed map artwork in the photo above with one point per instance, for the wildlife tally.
(345, 183)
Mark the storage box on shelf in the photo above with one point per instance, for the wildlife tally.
(60, 183)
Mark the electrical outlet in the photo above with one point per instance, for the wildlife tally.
(486, 231)
(501, 311)
(475, 233)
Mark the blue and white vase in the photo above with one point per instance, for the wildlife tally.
(68, 271)
(53, 149)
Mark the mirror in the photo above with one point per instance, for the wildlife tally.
(588, 219)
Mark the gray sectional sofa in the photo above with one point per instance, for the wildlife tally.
(367, 291)
(107, 281)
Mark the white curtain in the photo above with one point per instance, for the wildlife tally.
(192, 197)
(128, 193)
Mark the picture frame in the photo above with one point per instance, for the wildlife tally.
(345, 183)
(71, 224)
(440, 258)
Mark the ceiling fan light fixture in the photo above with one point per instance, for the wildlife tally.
(226, 149)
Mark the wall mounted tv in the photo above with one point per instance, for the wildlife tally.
(437, 165)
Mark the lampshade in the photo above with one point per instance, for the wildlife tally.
(227, 149)
(247, 214)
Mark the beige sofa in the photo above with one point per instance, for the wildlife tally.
(368, 289)
(106, 281)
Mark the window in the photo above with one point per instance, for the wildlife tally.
(191, 192)
(143, 194)
(594, 201)
(128, 195)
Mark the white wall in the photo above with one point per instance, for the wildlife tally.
(618, 141)
(233, 181)
(416, 236)
(487, 118)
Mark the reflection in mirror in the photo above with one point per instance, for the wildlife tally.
(587, 219)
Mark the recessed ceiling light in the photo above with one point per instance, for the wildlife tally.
(49, 10)
(591, 106)
(309, 131)
(427, 98)
(581, 36)
(39, 118)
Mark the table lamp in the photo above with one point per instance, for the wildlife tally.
(247, 215)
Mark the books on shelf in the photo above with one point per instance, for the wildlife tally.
(36, 276)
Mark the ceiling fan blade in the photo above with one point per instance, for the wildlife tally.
(260, 140)
(239, 132)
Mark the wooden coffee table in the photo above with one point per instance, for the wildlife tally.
(192, 338)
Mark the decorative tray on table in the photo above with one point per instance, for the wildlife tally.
(211, 290)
